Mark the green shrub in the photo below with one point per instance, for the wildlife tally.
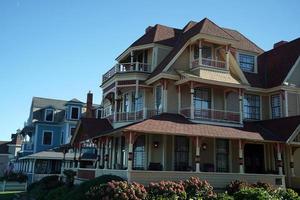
(117, 190)
(287, 194)
(268, 187)
(196, 189)
(224, 196)
(78, 192)
(40, 189)
(58, 193)
(253, 194)
(165, 190)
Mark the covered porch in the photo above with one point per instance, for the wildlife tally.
(170, 147)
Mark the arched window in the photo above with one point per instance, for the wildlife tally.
(139, 153)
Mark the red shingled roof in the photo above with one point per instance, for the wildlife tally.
(174, 124)
(274, 65)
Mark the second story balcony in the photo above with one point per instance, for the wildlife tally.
(125, 68)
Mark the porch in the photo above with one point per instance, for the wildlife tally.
(176, 149)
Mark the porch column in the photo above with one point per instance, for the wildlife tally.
(197, 159)
(131, 59)
(241, 157)
(136, 96)
(241, 105)
(116, 103)
(106, 153)
(279, 159)
(101, 153)
(113, 154)
(130, 151)
(74, 160)
(192, 100)
(179, 98)
(165, 96)
(227, 56)
(98, 153)
(30, 166)
(200, 52)
(79, 156)
(292, 162)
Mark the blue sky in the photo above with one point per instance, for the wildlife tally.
(60, 48)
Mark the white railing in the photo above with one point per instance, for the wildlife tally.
(126, 67)
(132, 116)
(209, 63)
(212, 115)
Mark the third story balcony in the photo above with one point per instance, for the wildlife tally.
(125, 68)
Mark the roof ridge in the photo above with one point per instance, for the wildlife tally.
(283, 45)
(208, 20)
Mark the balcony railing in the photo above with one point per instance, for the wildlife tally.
(212, 115)
(209, 63)
(126, 67)
(132, 116)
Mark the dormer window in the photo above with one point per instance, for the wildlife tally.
(74, 113)
(49, 115)
(247, 62)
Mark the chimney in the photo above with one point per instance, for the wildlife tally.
(279, 44)
(89, 105)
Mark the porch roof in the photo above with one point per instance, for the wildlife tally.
(175, 124)
(49, 155)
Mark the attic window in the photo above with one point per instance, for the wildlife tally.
(247, 62)
(49, 115)
(74, 112)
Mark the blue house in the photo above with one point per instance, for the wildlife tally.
(51, 123)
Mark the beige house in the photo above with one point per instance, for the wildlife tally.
(198, 101)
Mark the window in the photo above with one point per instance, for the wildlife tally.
(202, 102)
(62, 138)
(207, 52)
(251, 107)
(47, 138)
(158, 99)
(137, 104)
(247, 62)
(73, 131)
(275, 106)
(139, 153)
(98, 114)
(49, 115)
(74, 112)
(196, 52)
(222, 155)
(126, 103)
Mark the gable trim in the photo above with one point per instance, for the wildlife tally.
(297, 63)
(294, 135)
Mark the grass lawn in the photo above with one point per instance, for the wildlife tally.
(8, 195)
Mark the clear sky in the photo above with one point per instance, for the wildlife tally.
(60, 48)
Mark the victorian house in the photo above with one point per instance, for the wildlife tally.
(201, 100)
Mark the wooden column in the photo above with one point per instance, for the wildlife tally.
(241, 156)
(241, 105)
(165, 96)
(98, 153)
(130, 151)
(179, 98)
(192, 100)
(279, 159)
(197, 159)
(292, 162)
(79, 156)
(131, 60)
(106, 153)
(227, 56)
(74, 160)
(116, 103)
(200, 52)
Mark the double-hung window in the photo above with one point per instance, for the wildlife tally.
(222, 155)
(47, 138)
(49, 115)
(252, 107)
(247, 62)
(276, 106)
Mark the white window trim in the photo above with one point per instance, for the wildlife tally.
(51, 138)
(78, 112)
(45, 115)
(260, 106)
(255, 70)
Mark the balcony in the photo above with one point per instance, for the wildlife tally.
(206, 62)
(126, 67)
(131, 116)
(212, 115)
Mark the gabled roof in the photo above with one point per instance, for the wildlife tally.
(90, 127)
(206, 27)
(274, 65)
(41, 102)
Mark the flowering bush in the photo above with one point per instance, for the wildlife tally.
(166, 189)
(195, 189)
(235, 186)
(288, 194)
(118, 190)
(253, 194)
